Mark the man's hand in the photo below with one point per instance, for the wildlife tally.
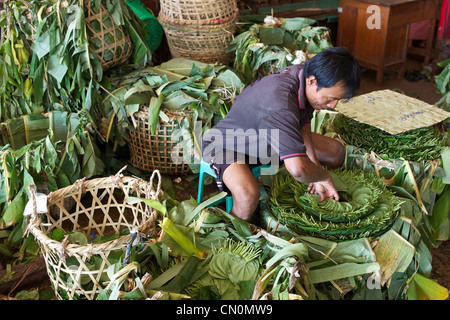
(325, 189)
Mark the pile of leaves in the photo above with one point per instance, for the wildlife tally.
(414, 145)
(207, 254)
(204, 253)
(365, 208)
(47, 60)
(50, 97)
(50, 163)
(266, 48)
(196, 92)
(414, 164)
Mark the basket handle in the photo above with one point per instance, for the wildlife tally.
(158, 188)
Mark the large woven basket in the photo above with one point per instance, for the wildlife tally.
(101, 208)
(199, 29)
(155, 152)
(111, 43)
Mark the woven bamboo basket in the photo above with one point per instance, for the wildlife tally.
(102, 208)
(199, 29)
(155, 152)
(199, 11)
(111, 43)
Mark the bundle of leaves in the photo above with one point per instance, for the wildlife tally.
(48, 62)
(365, 208)
(196, 92)
(414, 145)
(55, 161)
(204, 253)
(266, 48)
(232, 272)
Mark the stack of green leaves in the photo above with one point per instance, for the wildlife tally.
(65, 155)
(47, 59)
(264, 49)
(413, 145)
(366, 207)
(47, 67)
(232, 271)
(196, 91)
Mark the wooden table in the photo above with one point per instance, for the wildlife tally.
(383, 46)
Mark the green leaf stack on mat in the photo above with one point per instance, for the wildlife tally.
(414, 145)
(366, 207)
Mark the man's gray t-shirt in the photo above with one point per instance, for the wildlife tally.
(264, 122)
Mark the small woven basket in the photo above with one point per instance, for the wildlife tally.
(111, 43)
(199, 29)
(101, 208)
(199, 11)
(155, 152)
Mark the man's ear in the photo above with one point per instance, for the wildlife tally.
(311, 80)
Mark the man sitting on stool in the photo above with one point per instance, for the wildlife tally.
(270, 121)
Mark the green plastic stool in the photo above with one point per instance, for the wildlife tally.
(206, 169)
(153, 28)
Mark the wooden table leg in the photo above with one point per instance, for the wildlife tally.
(380, 73)
(401, 71)
(429, 42)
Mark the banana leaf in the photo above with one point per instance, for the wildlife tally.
(421, 288)
(393, 253)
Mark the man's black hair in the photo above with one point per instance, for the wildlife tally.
(333, 65)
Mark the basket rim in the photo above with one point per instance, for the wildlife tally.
(73, 249)
(163, 18)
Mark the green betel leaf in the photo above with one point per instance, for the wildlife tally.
(50, 152)
(155, 204)
(440, 210)
(56, 67)
(41, 45)
(445, 156)
(271, 35)
(78, 238)
(14, 212)
(421, 288)
(296, 24)
(139, 94)
(221, 264)
(57, 234)
(178, 100)
(153, 112)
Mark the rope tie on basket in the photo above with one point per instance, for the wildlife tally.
(62, 252)
(80, 184)
(117, 178)
(32, 209)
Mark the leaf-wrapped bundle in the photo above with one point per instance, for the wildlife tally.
(366, 207)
